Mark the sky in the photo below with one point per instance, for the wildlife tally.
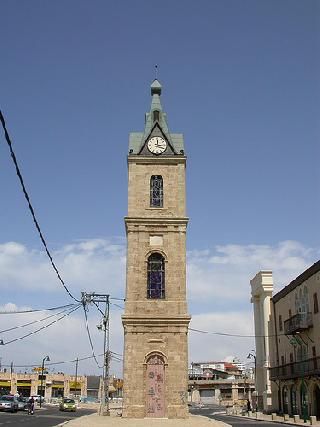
(240, 80)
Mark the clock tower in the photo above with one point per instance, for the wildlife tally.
(156, 318)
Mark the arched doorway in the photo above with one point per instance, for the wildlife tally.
(293, 399)
(316, 399)
(155, 387)
(285, 400)
(304, 401)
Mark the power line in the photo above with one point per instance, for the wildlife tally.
(27, 197)
(35, 310)
(235, 335)
(66, 361)
(117, 305)
(89, 335)
(34, 321)
(43, 327)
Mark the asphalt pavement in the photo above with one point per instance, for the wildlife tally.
(48, 416)
(218, 413)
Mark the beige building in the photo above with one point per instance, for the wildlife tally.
(156, 317)
(220, 383)
(51, 386)
(294, 345)
(261, 293)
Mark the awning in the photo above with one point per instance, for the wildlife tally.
(5, 383)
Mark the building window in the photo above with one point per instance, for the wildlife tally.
(156, 191)
(156, 115)
(315, 303)
(280, 322)
(156, 277)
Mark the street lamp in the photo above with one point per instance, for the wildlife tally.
(45, 359)
(253, 356)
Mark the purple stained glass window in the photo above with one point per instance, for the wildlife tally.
(156, 276)
(156, 191)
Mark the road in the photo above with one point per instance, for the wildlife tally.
(217, 413)
(48, 416)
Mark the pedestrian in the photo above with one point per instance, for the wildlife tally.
(31, 406)
(248, 405)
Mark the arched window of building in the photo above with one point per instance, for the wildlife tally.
(156, 277)
(156, 191)
(156, 115)
(293, 399)
(305, 300)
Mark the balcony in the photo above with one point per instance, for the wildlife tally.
(297, 323)
(296, 369)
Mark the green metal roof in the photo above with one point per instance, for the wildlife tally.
(137, 139)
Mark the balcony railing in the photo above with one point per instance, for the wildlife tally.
(296, 369)
(297, 323)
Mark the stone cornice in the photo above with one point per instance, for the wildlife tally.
(156, 321)
(145, 220)
(145, 160)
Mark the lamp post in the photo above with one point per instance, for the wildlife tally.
(45, 359)
(250, 356)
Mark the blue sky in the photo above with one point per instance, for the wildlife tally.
(240, 80)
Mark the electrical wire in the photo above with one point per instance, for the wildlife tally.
(64, 361)
(36, 310)
(117, 305)
(89, 335)
(34, 321)
(97, 305)
(224, 334)
(43, 327)
(27, 197)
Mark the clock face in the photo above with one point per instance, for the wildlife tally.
(157, 145)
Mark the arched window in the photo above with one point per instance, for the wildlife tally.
(156, 276)
(156, 115)
(156, 191)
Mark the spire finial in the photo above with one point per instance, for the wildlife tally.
(156, 71)
(155, 87)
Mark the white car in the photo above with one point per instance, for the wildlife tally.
(37, 398)
(8, 403)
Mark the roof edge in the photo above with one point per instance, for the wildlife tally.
(315, 268)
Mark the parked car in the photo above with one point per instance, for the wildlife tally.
(22, 403)
(68, 405)
(8, 403)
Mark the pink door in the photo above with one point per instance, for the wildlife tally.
(155, 388)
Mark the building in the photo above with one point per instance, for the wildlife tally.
(156, 319)
(219, 383)
(294, 344)
(57, 385)
(207, 369)
(261, 293)
(47, 385)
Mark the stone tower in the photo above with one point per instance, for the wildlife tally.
(156, 318)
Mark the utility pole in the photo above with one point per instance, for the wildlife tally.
(105, 326)
(76, 378)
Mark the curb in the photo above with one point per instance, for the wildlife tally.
(289, 423)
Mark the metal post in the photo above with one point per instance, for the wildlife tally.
(41, 383)
(42, 369)
(76, 376)
(108, 353)
(105, 409)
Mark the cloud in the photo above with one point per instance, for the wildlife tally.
(94, 264)
(225, 272)
(218, 282)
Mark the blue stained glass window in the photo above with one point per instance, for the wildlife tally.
(156, 191)
(156, 276)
